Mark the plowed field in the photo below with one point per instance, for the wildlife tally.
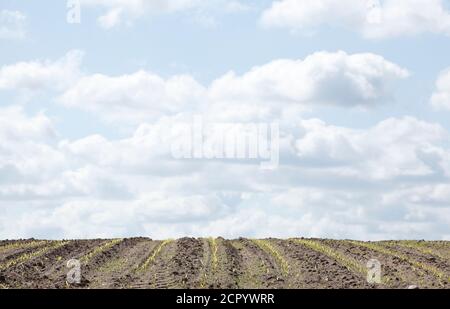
(220, 263)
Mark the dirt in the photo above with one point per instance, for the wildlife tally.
(398, 273)
(310, 268)
(228, 268)
(12, 250)
(258, 268)
(220, 263)
(117, 272)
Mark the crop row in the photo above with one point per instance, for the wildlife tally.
(34, 254)
(100, 249)
(384, 250)
(351, 264)
(153, 255)
(22, 245)
(267, 247)
(418, 246)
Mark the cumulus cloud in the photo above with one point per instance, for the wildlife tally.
(141, 95)
(389, 180)
(16, 126)
(33, 166)
(323, 78)
(111, 19)
(433, 195)
(441, 96)
(373, 18)
(125, 12)
(277, 89)
(42, 75)
(392, 149)
(12, 24)
(386, 181)
(21, 136)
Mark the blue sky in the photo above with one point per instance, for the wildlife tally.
(365, 147)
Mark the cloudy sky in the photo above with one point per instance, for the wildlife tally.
(360, 90)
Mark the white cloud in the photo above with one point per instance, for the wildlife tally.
(236, 6)
(12, 24)
(372, 18)
(16, 126)
(120, 218)
(111, 19)
(433, 195)
(441, 96)
(386, 181)
(26, 151)
(392, 149)
(281, 86)
(42, 75)
(126, 11)
(321, 78)
(136, 97)
(277, 89)
(138, 6)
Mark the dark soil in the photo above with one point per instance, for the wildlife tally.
(220, 263)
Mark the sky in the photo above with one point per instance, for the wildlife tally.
(91, 90)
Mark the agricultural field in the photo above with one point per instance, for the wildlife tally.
(219, 263)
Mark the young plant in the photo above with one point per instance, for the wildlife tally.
(100, 249)
(267, 247)
(153, 255)
(415, 245)
(28, 256)
(214, 248)
(22, 245)
(348, 262)
(384, 250)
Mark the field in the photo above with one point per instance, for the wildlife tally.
(221, 263)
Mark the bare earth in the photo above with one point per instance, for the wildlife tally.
(220, 263)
